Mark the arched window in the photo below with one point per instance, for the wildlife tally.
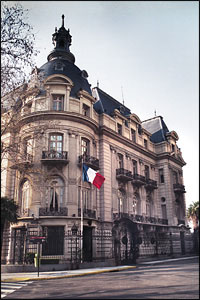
(56, 194)
(25, 196)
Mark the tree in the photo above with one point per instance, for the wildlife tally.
(193, 214)
(8, 213)
(17, 47)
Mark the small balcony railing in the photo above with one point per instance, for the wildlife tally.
(139, 218)
(151, 184)
(90, 161)
(62, 211)
(87, 213)
(123, 174)
(179, 188)
(24, 161)
(181, 222)
(55, 156)
(138, 180)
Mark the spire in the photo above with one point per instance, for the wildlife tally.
(62, 41)
(63, 20)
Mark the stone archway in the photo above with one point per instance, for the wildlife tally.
(126, 241)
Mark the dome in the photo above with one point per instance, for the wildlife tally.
(67, 68)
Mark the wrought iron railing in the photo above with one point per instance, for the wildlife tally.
(62, 211)
(179, 187)
(54, 155)
(87, 213)
(25, 161)
(138, 179)
(150, 183)
(123, 174)
(140, 218)
(91, 161)
(181, 222)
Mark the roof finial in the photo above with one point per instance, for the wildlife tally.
(122, 95)
(63, 20)
(155, 112)
(98, 83)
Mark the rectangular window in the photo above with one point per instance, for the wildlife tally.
(175, 177)
(86, 110)
(133, 135)
(173, 148)
(56, 143)
(58, 102)
(119, 128)
(134, 167)
(120, 161)
(146, 172)
(161, 176)
(164, 211)
(145, 143)
(85, 146)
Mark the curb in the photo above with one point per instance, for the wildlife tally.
(15, 279)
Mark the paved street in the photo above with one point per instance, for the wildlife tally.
(169, 280)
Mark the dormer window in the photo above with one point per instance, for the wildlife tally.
(173, 148)
(145, 143)
(119, 128)
(86, 110)
(133, 135)
(58, 102)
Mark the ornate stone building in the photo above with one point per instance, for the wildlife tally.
(62, 123)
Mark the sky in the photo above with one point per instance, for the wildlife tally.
(142, 52)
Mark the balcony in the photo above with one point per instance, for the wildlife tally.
(179, 188)
(87, 213)
(90, 161)
(181, 222)
(23, 162)
(54, 157)
(151, 184)
(141, 219)
(123, 175)
(62, 211)
(138, 180)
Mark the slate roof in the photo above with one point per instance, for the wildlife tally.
(67, 68)
(107, 104)
(157, 127)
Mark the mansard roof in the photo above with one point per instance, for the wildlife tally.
(157, 127)
(107, 104)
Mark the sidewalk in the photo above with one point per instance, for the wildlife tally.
(5, 277)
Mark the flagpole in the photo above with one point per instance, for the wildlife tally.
(81, 200)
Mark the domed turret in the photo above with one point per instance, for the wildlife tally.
(61, 61)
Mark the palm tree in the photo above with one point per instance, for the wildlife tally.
(193, 214)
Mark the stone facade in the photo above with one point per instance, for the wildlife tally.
(58, 131)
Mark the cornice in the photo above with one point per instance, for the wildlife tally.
(58, 115)
(111, 133)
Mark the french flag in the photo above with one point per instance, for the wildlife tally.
(92, 176)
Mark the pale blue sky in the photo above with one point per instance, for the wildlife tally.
(147, 48)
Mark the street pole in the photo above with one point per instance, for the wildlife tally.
(81, 200)
(38, 256)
